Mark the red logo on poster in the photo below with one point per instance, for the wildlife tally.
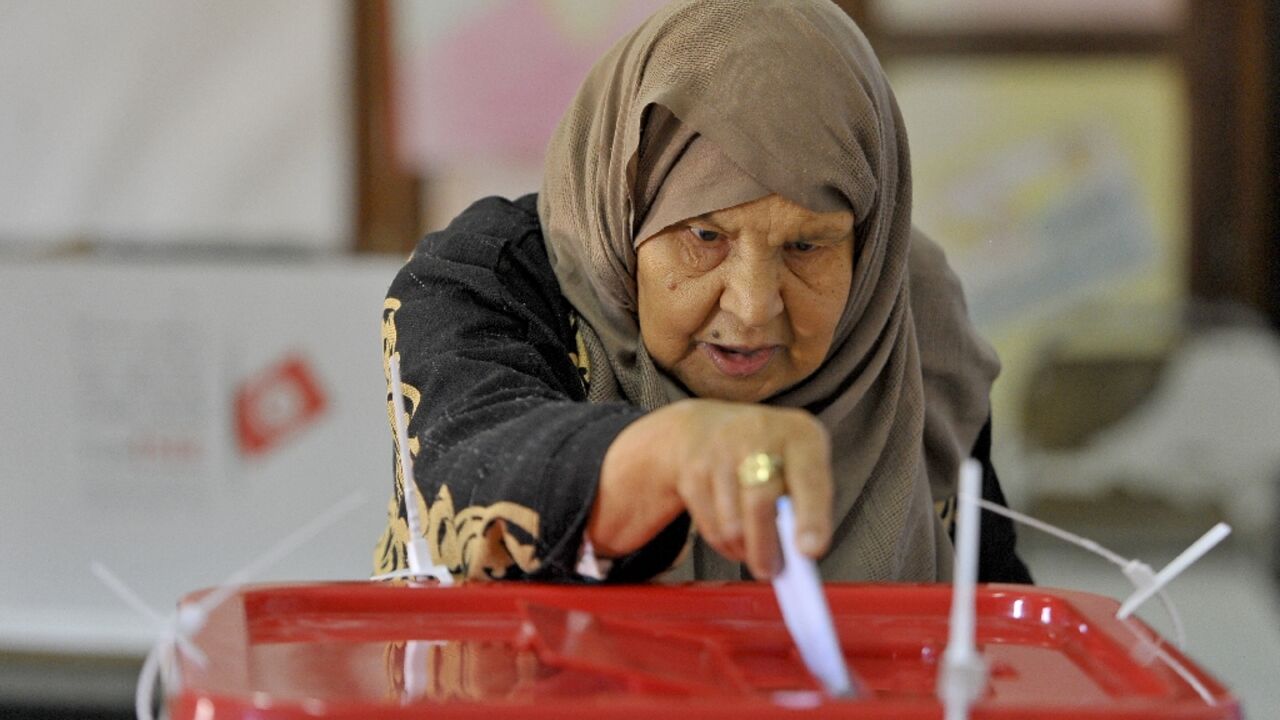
(277, 403)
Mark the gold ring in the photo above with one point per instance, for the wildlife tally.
(759, 468)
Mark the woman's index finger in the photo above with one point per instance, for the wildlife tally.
(807, 468)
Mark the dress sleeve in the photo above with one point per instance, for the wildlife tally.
(506, 449)
(998, 559)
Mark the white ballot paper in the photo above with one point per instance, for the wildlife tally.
(804, 608)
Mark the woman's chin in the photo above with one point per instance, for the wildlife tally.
(718, 386)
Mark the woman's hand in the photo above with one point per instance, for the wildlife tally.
(686, 456)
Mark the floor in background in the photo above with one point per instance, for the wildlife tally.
(1229, 602)
(53, 687)
(22, 712)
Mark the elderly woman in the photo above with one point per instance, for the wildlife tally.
(716, 298)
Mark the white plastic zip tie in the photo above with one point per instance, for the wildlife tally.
(419, 556)
(164, 626)
(1138, 572)
(1055, 531)
(291, 542)
(1141, 575)
(401, 574)
(1197, 549)
(159, 661)
(964, 672)
(177, 628)
(1181, 670)
(159, 658)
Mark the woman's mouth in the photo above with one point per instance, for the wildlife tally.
(739, 361)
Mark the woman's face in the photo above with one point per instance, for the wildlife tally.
(742, 303)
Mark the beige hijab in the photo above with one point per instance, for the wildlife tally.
(789, 94)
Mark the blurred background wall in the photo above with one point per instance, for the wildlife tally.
(170, 124)
(191, 353)
(201, 205)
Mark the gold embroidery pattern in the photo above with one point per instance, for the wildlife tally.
(580, 358)
(480, 542)
(946, 510)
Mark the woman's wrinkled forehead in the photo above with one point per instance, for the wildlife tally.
(703, 180)
(682, 174)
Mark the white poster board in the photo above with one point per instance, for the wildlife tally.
(175, 420)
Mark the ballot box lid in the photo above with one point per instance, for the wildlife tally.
(489, 650)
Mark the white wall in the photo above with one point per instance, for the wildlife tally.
(175, 123)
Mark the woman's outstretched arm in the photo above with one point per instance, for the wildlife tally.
(507, 451)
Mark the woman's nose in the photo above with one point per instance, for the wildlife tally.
(753, 291)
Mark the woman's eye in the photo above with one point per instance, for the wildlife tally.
(803, 247)
(705, 235)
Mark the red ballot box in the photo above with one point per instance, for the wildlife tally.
(366, 650)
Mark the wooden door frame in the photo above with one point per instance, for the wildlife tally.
(388, 198)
